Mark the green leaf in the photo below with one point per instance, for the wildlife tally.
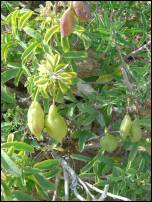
(28, 51)
(6, 96)
(43, 182)
(5, 48)
(41, 192)
(81, 143)
(21, 196)
(9, 74)
(34, 34)
(47, 48)
(21, 146)
(145, 122)
(52, 173)
(63, 86)
(105, 78)
(60, 66)
(100, 120)
(88, 119)
(75, 55)
(88, 166)
(6, 128)
(30, 171)
(14, 21)
(86, 40)
(24, 18)
(6, 192)
(84, 108)
(132, 155)
(18, 77)
(82, 135)
(56, 59)
(80, 157)
(9, 165)
(50, 32)
(65, 44)
(47, 164)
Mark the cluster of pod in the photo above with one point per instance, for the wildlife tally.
(54, 123)
(128, 129)
(78, 9)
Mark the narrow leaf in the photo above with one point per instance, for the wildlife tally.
(50, 32)
(28, 51)
(24, 18)
(21, 146)
(9, 165)
(46, 164)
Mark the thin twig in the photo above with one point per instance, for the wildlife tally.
(72, 174)
(108, 194)
(133, 53)
(86, 188)
(104, 194)
(66, 185)
(57, 180)
(85, 185)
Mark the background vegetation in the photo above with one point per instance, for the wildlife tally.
(111, 81)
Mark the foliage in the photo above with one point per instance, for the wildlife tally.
(39, 64)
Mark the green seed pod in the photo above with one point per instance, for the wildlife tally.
(67, 22)
(55, 124)
(10, 137)
(35, 119)
(136, 132)
(81, 9)
(109, 143)
(125, 126)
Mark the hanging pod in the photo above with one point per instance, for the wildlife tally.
(136, 132)
(67, 22)
(35, 119)
(81, 9)
(125, 126)
(55, 124)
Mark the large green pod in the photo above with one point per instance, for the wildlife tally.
(35, 119)
(55, 124)
(125, 126)
(136, 132)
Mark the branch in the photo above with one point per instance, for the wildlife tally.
(104, 194)
(108, 194)
(76, 180)
(86, 188)
(72, 174)
(57, 180)
(66, 185)
(133, 53)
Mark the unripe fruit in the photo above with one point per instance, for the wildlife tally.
(109, 143)
(125, 126)
(10, 137)
(55, 124)
(136, 132)
(81, 9)
(67, 22)
(36, 119)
